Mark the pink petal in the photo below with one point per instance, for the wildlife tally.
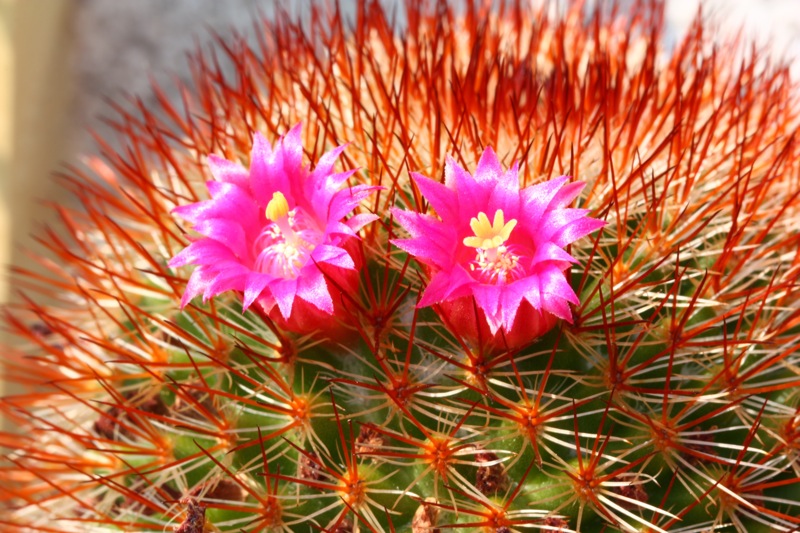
(357, 222)
(446, 286)
(551, 222)
(323, 171)
(559, 308)
(554, 283)
(556, 293)
(284, 291)
(345, 200)
(430, 252)
(254, 287)
(488, 298)
(203, 251)
(332, 255)
(318, 197)
(197, 284)
(230, 276)
(472, 195)
(434, 243)
(267, 173)
(229, 201)
(228, 171)
(292, 147)
(536, 198)
(505, 194)
(489, 168)
(510, 299)
(227, 232)
(416, 224)
(508, 203)
(576, 229)
(339, 228)
(548, 251)
(566, 195)
(534, 294)
(443, 200)
(311, 287)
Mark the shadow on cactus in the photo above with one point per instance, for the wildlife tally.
(490, 269)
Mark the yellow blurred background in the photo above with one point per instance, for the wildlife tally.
(34, 46)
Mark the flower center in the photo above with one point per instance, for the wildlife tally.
(286, 242)
(494, 262)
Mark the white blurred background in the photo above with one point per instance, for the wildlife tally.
(62, 60)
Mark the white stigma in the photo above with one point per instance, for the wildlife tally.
(286, 242)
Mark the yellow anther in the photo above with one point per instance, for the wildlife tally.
(488, 236)
(278, 207)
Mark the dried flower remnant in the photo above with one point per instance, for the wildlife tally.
(491, 477)
(275, 232)
(195, 520)
(368, 440)
(426, 517)
(555, 523)
(496, 252)
(309, 467)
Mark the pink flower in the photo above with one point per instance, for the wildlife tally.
(276, 232)
(496, 249)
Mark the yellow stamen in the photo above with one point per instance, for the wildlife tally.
(488, 236)
(278, 207)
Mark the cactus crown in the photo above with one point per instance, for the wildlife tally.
(252, 327)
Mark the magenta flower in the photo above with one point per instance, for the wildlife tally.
(496, 248)
(275, 232)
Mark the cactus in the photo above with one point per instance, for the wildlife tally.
(348, 289)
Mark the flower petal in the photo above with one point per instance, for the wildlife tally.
(565, 196)
(505, 194)
(472, 195)
(228, 171)
(537, 198)
(200, 252)
(226, 232)
(489, 169)
(264, 180)
(446, 286)
(549, 251)
(228, 201)
(254, 287)
(198, 282)
(434, 243)
(357, 222)
(284, 291)
(311, 287)
(443, 200)
(488, 299)
(332, 255)
(345, 200)
(576, 229)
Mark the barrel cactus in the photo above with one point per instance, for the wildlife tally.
(490, 268)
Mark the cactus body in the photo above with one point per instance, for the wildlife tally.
(656, 389)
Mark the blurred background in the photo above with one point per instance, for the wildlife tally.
(61, 61)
